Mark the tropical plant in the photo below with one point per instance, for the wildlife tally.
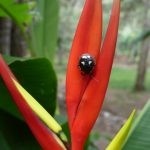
(85, 92)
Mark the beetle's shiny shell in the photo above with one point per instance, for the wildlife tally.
(86, 63)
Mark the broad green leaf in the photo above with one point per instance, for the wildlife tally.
(139, 138)
(11, 59)
(120, 138)
(3, 143)
(15, 133)
(38, 78)
(45, 28)
(19, 13)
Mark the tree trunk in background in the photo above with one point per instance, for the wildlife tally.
(5, 33)
(18, 44)
(142, 66)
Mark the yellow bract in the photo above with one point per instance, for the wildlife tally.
(38, 109)
(120, 138)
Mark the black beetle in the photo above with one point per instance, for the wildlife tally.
(86, 63)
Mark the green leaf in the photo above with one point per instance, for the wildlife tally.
(139, 139)
(16, 133)
(3, 143)
(11, 59)
(66, 130)
(45, 28)
(37, 76)
(19, 13)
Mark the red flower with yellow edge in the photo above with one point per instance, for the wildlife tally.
(43, 126)
(85, 90)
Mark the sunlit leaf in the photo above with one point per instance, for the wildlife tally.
(19, 13)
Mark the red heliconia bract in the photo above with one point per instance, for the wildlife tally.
(43, 135)
(87, 40)
(85, 94)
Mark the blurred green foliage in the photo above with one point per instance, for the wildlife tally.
(124, 78)
(131, 26)
(44, 28)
